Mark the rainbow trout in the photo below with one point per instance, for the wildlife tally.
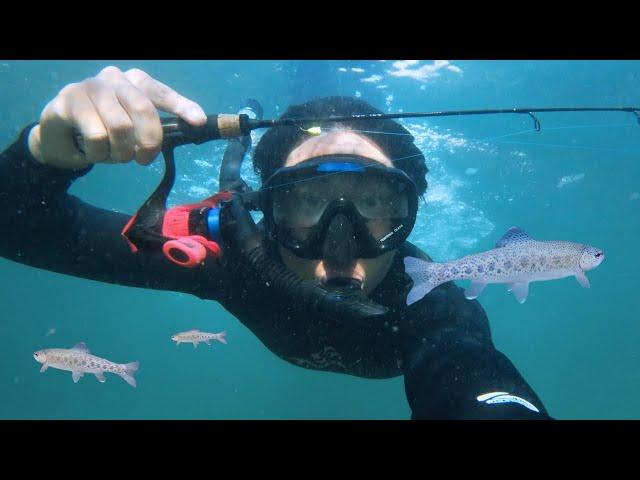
(78, 360)
(517, 261)
(196, 336)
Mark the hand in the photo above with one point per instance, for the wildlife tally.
(117, 115)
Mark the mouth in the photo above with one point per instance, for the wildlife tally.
(343, 283)
(341, 278)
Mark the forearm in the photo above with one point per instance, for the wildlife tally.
(467, 380)
(25, 183)
(45, 227)
(452, 364)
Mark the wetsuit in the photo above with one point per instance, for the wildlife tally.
(441, 344)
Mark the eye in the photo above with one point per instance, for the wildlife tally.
(598, 254)
(372, 202)
(312, 201)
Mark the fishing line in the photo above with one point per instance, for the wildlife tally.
(506, 135)
(576, 147)
(565, 127)
(488, 139)
(367, 131)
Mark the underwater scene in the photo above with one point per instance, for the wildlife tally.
(534, 214)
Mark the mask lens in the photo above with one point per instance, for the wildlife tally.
(382, 201)
(378, 198)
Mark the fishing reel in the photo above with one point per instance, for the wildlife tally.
(186, 234)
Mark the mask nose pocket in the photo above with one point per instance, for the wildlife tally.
(340, 247)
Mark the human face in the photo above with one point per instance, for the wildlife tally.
(368, 271)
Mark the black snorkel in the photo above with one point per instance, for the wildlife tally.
(148, 227)
(230, 176)
(344, 301)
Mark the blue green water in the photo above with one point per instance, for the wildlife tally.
(578, 179)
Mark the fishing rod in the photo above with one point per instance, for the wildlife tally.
(154, 227)
(225, 126)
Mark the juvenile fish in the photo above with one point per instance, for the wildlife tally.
(78, 360)
(516, 261)
(196, 337)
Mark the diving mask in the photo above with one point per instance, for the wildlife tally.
(339, 196)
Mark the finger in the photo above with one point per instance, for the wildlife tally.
(146, 122)
(165, 98)
(118, 124)
(84, 117)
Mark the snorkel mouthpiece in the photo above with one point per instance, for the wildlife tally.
(343, 285)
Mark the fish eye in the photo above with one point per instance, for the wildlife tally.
(598, 254)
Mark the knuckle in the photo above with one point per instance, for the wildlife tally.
(142, 107)
(55, 109)
(121, 128)
(69, 89)
(137, 76)
(97, 140)
(149, 149)
(110, 70)
(94, 85)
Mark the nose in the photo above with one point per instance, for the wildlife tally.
(340, 249)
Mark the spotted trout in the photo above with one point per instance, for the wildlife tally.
(516, 261)
(78, 360)
(196, 337)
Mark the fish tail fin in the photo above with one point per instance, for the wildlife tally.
(129, 370)
(424, 275)
(222, 337)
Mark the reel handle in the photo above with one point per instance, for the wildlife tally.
(189, 251)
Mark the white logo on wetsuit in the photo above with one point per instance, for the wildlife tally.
(505, 397)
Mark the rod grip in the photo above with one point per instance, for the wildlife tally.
(176, 131)
(219, 126)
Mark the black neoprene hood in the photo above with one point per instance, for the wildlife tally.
(276, 144)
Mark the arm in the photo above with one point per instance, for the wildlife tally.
(43, 226)
(457, 363)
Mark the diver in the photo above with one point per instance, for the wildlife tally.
(325, 198)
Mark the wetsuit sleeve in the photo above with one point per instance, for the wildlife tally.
(45, 227)
(455, 372)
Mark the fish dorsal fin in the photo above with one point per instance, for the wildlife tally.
(193, 330)
(513, 236)
(81, 347)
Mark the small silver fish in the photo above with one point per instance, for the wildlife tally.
(517, 261)
(196, 336)
(78, 360)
